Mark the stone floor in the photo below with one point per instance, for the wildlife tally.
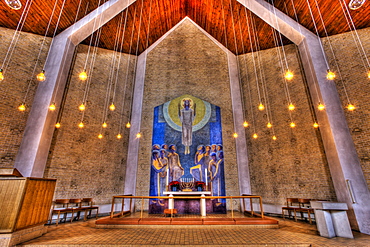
(289, 233)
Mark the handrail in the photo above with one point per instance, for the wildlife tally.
(187, 197)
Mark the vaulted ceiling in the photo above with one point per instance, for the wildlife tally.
(145, 21)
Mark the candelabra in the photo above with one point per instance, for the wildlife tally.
(187, 184)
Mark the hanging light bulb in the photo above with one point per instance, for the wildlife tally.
(261, 107)
(355, 4)
(81, 107)
(315, 125)
(269, 125)
(2, 75)
(255, 136)
(57, 125)
(138, 135)
(128, 125)
(104, 125)
(330, 75)
(41, 76)
(368, 75)
(22, 107)
(291, 107)
(245, 124)
(235, 135)
(321, 107)
(14, 4)
(289, 75)
(119, 136)
(274, 138)
(81, 125)
(52, 107)
(292, 125)
(83, 75)
(112, 107)
(100, 136)
(351, 107)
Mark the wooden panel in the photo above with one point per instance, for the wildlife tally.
(225, 20)
(36, 203)
(11, 194)
(24, 202)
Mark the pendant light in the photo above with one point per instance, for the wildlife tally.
(14, 4)
(356, 4)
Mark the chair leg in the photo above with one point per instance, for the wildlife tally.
(282, 212)
(85, 215)
(295, 215)
(57, 219)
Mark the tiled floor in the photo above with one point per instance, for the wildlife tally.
(290, 233)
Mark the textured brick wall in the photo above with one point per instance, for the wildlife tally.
(187, 62)
(84, 165)
(294, 165)
(353, 81)
(18, 80)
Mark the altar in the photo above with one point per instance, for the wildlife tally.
(189, 205)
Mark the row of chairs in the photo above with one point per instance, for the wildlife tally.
(298, 205)
(72, 206)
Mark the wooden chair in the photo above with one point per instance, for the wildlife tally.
(304, 207)
(87, 204)
(60, 206)
(75, 204)
(291, 205)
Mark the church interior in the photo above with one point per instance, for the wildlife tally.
(136, 99)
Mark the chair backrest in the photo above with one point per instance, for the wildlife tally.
(87, 201)
(75, 202)
(63, 202)
(304, 202)
(292, 201)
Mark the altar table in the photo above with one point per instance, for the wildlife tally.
(172, 194)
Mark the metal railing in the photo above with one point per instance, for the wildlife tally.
(243, 197)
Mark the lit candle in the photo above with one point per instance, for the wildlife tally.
(168, 173)
(205, 171)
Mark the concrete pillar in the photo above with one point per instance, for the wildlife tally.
(33, 152)
(240, 142)
(136, 112)
(348, 179)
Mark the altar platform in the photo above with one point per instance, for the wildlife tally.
(138, 218)
(122, 218)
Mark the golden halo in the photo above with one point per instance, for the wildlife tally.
(171, 112)
(183, 102)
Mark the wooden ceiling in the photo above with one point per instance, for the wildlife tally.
(226, 20)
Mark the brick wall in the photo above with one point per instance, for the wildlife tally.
(187, 62)
(18, 86)
(294, 165)
(84, 165)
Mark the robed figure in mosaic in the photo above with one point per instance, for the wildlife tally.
(176, 170)
(198, 171)
(159, 167)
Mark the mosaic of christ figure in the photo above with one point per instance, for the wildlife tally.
(193, 131)
(187, 116)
